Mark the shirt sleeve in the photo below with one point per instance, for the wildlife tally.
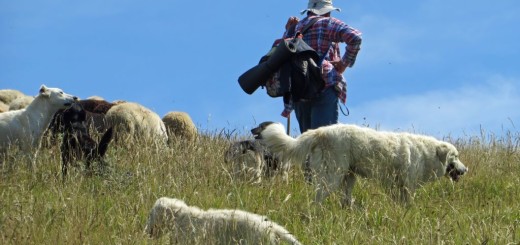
(341, 32)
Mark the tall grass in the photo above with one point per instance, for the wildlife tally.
(111, 207)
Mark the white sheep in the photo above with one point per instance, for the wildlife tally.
(180, 127)
(190, 225)
(134, 121)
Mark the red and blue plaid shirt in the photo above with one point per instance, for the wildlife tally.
(324, 37)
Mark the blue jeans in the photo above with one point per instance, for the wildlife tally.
(321, 111)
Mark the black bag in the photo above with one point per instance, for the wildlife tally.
(300, 77)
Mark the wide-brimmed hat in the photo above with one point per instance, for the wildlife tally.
(320, 7)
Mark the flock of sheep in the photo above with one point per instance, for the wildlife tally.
(130, 119)
(26, 120)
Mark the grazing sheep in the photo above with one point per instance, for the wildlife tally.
(251, 160)
(134, 121)
(192, 225)
(77, 143)
(8, 95)
(20, 102)
(95, 111)
(179, 127)
(24, 128)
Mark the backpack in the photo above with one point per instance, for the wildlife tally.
(300, 77)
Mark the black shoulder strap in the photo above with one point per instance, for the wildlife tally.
(291, 31)
(311, 22)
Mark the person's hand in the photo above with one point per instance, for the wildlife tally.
(291, 21)
(339, 66)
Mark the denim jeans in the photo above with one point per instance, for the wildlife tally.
(321, 111)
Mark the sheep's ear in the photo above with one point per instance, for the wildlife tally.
(44, 90)
(442, 152)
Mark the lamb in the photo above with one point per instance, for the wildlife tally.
(179, 127)
(24, 128)
(192, 225)
(133, 121)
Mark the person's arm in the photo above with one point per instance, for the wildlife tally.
(352, 38)
(341, 32)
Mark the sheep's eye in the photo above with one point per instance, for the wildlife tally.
(61, 92)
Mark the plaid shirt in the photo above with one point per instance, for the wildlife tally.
(324, 37)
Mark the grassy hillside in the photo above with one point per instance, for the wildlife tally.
(37, 207)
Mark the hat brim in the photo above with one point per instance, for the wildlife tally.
(321, 11)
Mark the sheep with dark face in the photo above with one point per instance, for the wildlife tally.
(77, 143)
(94, 110)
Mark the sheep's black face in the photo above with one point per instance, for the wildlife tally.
(74, 114)
(257, 132)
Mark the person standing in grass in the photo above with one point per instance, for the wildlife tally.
(324, 36)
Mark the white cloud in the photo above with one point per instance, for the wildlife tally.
(492, 106)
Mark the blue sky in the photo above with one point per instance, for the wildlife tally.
(445, 68)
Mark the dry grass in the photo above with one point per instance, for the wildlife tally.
(37, 207)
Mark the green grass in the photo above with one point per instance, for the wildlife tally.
(37, 207)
